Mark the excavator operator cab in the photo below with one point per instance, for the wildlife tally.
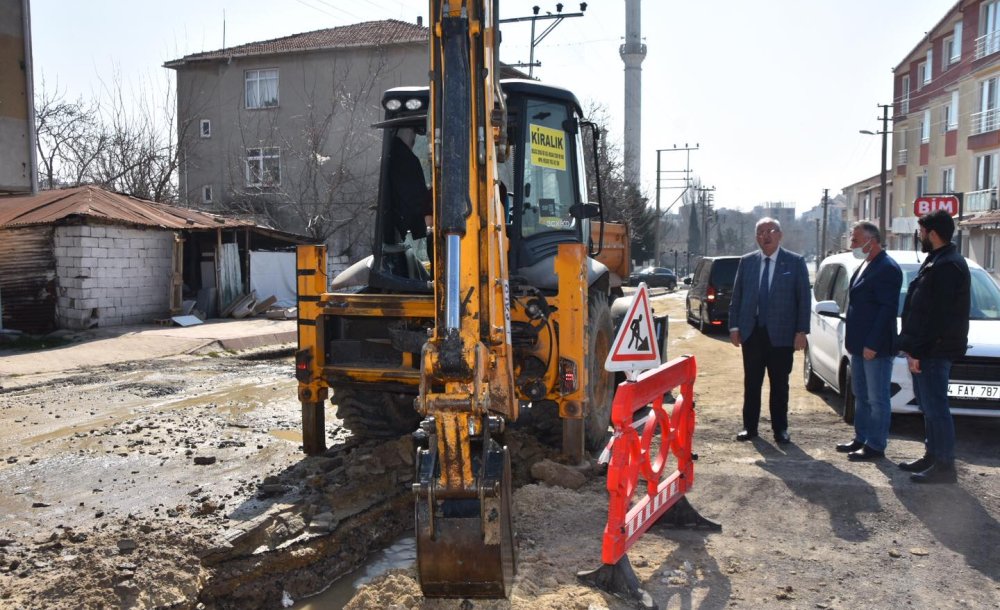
(541, 181)
(401, 260)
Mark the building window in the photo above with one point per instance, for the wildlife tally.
(989, 29)
(206, 128)
(991, 253)
(905, 94)
(925, 127)
(953, 47)
(262, 88)
(922, 78)
(264, 166)
(950, 122)
(948, 180)
(986, 119)
(921, 185)
(206, 194)
(986, 172)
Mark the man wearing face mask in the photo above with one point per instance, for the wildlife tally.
(871, 341)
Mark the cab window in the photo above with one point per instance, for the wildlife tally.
(548, 181)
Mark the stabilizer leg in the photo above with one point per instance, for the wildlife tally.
(618, 580)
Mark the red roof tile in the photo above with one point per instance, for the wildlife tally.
(367, 34)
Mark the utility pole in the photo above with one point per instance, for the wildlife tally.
(559, 16)
(826, 202)
(884, 203)
(819, 247)
(686, 179)
(705, 197)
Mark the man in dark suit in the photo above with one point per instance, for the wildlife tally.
(871, 342)
(769, 319)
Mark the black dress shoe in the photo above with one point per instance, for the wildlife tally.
(849, 447)
(917, 465)
(745, 435)
(782, 437)
(865, 454)
(939, 472)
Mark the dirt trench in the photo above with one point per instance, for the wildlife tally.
(182, 485)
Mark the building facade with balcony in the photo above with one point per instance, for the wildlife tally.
(946, 127)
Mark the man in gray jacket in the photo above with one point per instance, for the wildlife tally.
(769, 319)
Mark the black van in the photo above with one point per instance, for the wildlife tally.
(710, 292)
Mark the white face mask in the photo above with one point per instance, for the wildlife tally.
(859, 253)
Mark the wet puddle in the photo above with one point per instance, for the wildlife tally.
(293, 436)
(401, 555)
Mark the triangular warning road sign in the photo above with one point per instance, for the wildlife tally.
(635, 346)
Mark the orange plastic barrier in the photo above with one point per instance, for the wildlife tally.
(631, 453)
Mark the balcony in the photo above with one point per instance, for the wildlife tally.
(902, 157)
(987, 44)
(985, 121)
(980, 201)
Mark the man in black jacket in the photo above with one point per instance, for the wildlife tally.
(935, 332)
(410, 199)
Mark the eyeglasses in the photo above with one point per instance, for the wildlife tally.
(766, 232)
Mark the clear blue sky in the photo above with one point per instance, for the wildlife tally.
(773, 91)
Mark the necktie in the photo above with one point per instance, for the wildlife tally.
(764, 294)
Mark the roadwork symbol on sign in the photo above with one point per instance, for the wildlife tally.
(635, 346)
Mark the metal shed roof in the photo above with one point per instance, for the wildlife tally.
(48, 207)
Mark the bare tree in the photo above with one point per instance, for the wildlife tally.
(622, 201)
(68, 138)
(115, 141)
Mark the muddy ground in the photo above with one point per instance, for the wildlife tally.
(179, 484)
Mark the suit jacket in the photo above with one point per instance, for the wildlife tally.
(872, 306)
(788, 305)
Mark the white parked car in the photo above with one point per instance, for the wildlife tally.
(974, 388)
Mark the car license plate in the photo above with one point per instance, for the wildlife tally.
(969, 390)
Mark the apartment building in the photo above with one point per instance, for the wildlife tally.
(946, 127)
(280, 130)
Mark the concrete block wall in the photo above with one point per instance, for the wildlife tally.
(108, 275)
(336, 264)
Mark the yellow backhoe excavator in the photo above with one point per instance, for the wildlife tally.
(499, 310)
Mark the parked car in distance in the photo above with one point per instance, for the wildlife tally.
(655, 277)
(974, 387)
(711, 290)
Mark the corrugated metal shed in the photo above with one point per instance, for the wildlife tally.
(28, 271)
(48, 207)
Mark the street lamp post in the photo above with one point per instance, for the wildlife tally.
(883, 204)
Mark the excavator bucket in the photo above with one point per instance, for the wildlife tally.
(465, 546)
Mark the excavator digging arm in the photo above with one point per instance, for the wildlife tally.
(465, 537)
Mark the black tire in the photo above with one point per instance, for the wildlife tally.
(847, 395)
(812, 381)
(701, 320)
(376, 415)
(600, 383)
(687, 311)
